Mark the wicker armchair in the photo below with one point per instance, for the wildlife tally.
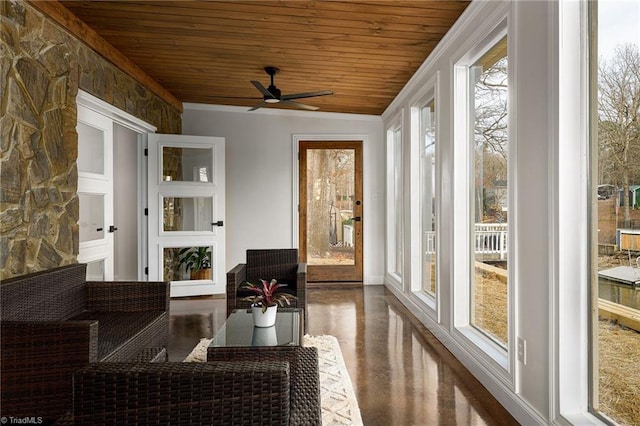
(304, 371)
(267, 264)
(281, 389)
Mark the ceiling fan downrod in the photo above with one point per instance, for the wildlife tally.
(272, 71)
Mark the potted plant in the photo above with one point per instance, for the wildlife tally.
(265, 301)
(198, 260)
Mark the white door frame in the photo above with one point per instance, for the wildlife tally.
(142, 128)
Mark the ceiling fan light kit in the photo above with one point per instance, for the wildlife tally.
(273, 95)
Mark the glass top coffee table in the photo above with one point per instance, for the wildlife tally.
(239, 331)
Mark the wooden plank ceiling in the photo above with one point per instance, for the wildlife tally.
(209, 51)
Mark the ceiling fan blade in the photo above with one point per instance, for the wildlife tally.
(260, 105)
(262, 89)
(299, 105)
(307, 95)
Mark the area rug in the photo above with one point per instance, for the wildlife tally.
(337, 398)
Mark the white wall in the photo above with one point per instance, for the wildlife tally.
(259, 174)
(125, 178)
(528, 391)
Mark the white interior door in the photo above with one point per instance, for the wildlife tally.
(186, 213)
(95, 193)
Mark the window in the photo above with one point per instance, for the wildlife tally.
(489, 204)
(481, 197)
(395, 233)
(428, 147)
(615, 216)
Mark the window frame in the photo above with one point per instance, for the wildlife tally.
(430, 303)
(570, 340)
(395, 213)
(588, 22)
(493, 354)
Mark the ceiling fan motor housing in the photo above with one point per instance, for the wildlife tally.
(275, 92)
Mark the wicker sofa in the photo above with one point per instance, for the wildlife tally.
(53, 323)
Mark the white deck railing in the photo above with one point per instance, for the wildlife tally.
(348, 235)
(489, 239)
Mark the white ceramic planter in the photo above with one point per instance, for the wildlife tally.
(264, 336)
(266, 319)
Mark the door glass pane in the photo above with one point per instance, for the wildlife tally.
(330, 205)
(187, 263)
(90, 149)
(428, 205)
(95, 270)
(187, 164)
(187, 214)
(489, 212)
(91, 217)
(616, 213)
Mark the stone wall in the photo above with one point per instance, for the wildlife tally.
(42, 67)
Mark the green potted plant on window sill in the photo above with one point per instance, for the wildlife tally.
(198, 260)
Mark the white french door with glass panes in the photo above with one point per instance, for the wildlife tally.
(186, 199)
(95, 193)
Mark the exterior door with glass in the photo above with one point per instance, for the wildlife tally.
(330, 212)
(186, 201)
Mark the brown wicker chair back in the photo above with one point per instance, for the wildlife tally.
(267, 264)
(36, 297)
(223, 393)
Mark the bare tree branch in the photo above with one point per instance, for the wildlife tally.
(619, 120)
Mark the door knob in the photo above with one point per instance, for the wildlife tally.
(112, 228)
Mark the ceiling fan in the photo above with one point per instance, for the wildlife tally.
(273, 95)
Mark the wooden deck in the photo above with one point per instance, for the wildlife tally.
(623, 315)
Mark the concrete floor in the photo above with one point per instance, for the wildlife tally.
(400, 372)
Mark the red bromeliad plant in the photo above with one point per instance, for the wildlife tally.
(267, 294)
